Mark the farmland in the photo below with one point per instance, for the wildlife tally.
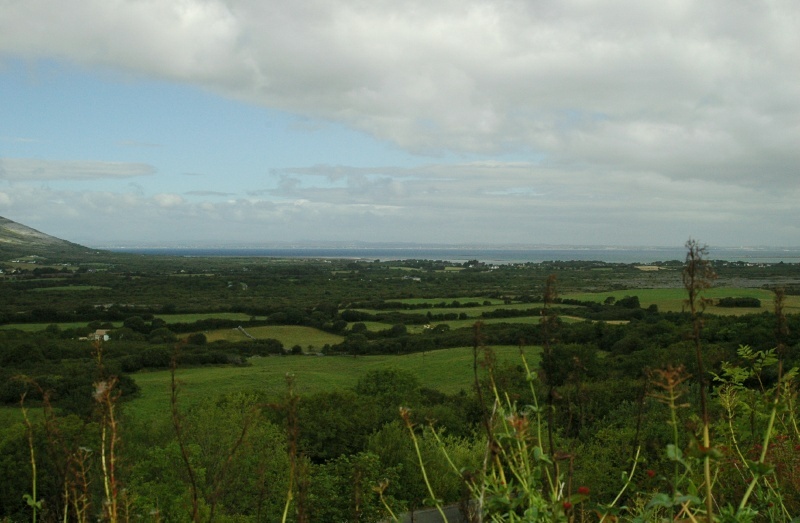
(308, 361)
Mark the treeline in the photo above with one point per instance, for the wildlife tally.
(739, 302)
(68, 368)
(397, 305)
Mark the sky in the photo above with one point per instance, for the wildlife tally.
(494, 122)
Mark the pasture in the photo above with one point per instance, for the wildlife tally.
(447, 370)
(471, 312)
(673, 300)
(289, 335)
(70, 288)
(376, 326)
(191, 318)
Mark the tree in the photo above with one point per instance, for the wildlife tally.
(136, 324)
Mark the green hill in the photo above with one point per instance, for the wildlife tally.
(17, 240)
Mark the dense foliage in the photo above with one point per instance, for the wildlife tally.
(616, 394)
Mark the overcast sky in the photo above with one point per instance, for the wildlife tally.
(625, 122)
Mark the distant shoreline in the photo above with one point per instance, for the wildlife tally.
(498, 256)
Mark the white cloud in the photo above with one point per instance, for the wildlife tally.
(168, 200)
(649, 121)
(30, 169)
(491, 202)
(693, 89)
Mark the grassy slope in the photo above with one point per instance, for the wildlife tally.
(448, 370)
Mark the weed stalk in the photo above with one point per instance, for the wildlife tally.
(697, 276)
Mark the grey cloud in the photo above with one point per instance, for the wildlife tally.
(482, 202)
(30, 169)
(704, 89)
(209, 194)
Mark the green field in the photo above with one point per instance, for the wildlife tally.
(70, 288)
(673, 300)
(448, 370)
(191, 318)
(376, 326)
(472, 312)
(289, 335)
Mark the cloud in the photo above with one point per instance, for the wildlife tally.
(476, 202)
(168, 200)
(29, 169)
(630, 122)
(209, 194)
(691, 89)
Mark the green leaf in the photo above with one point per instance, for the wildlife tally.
(539, 455)
(674, 453)
(31, 503)
(680, 500)
(760, 469)
(660, 500)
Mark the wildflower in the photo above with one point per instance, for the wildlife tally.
(567, 505)
(650, 473)
(584, 491)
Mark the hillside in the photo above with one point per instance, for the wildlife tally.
(18, 240)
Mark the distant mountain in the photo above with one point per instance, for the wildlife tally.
(17, 240)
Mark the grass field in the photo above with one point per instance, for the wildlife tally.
(375, 326)
(448, 370)
(472, 312)
(672, 300)
(289, 335)
(191, 318)
(70, 288)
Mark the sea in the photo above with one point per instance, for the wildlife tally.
(489, 255)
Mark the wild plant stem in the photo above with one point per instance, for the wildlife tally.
(289, 497)
(104, 465)
(696, 277)
(627, 483)
(407, 418)
(538, 411)
(387, 507)
(733, 439)
(765, 444)
(33, 455)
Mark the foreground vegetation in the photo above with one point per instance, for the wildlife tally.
(271, 390)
